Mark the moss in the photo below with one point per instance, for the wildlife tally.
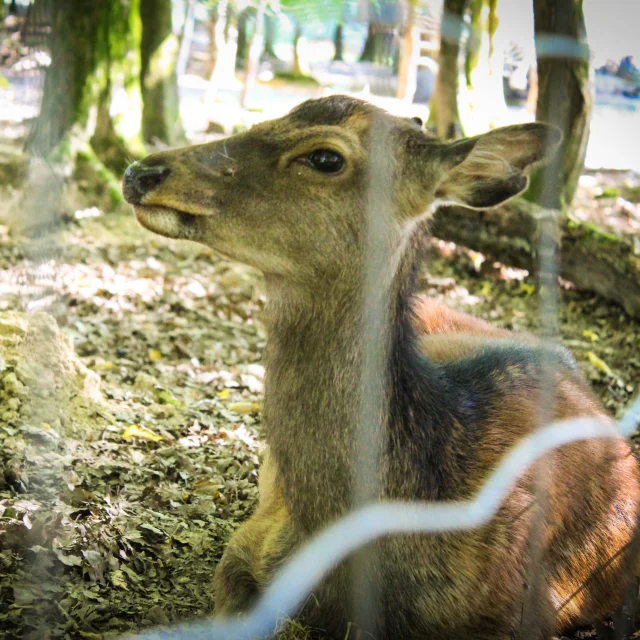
(296, 78)
(96, 178)
(631, 193)
(590, 231)
(13, 169)
(609, 192)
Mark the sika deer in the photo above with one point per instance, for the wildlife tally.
(290, 198)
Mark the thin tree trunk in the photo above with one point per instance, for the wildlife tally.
(186, 39)
(243, 20)
(474, 42)
(483, 93)
(376, 47)
(159, 53)
(297, 34)
(338, 44)
(408, 64)
(532, 96)
(564, 99)
(271, 27)
(444, 113)
(219, 52)
(253, 61)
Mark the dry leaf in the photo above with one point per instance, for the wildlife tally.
(136, 431)
(599, 364)
(245, 407)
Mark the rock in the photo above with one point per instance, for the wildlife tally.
(43, 381)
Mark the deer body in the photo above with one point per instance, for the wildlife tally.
(456, 394)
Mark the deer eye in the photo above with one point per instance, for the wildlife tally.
(326, 161)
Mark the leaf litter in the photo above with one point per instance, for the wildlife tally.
(117, 499)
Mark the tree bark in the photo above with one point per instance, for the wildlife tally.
(338, 44)
(474, 42)
(253, 60)
(592, 259)
(376, 45)
(445, 115)
(186, 39)
(243, 40)
(483, 93)
(271, 28)
(564, 98)
(297, 34)
(219, 52)
(408, 67)
(91, 46)
(159, 54)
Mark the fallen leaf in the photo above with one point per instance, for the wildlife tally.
(591, 335)
(528, 289)
(599, 364)
(245, 407)
(136, 431)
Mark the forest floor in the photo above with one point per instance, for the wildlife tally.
(116, 524)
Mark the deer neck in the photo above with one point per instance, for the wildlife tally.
(314, 359)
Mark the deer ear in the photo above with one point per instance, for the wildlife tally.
(485, 171)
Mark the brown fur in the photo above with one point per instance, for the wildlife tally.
(458, 393)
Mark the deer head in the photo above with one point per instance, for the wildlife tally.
(290, 196)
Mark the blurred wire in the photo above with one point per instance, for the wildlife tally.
(306, 569)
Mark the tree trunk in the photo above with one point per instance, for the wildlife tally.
(564, 99)
(474, 42)
(253, 61)
(82, 131)
(219, 52)
(186, 39)
(376, 46)
(338, 44)
(243, 40)
(483, 94)
(271, 29)
(159, 53)
(407, 73)
(297, 34)
(593, 260)
(532, 96)
(91, 46)
(445, 115)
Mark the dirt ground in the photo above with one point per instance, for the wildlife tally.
(114, 523)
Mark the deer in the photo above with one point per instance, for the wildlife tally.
(289, 197)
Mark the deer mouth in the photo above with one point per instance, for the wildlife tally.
(169, 222)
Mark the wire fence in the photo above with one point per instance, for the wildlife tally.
(298, 578)
(302, 573)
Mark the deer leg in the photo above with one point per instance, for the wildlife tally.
(255, 550)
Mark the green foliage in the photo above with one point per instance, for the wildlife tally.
(297, 78)
(306, 11)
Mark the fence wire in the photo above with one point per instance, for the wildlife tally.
(306, 569)
(369, 522)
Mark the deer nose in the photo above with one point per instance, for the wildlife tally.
(139, 179)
